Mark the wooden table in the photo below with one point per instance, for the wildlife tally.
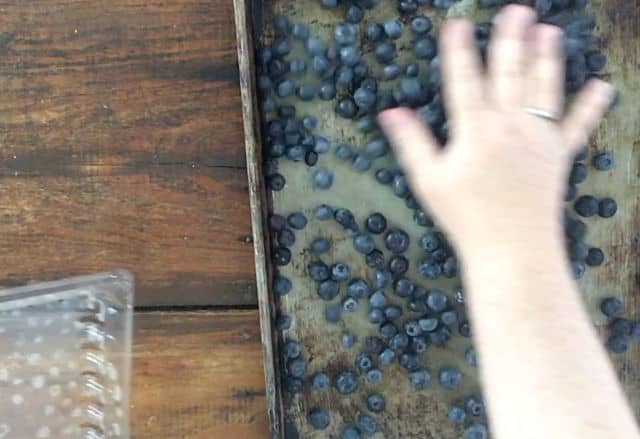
(121, 146)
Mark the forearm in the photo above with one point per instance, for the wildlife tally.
(544, 370)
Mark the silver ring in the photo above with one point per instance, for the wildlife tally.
(543, 114)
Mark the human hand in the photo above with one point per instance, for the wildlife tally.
(503, 174)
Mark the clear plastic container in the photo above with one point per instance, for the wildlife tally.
(65, 358)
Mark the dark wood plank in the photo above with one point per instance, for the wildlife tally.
(122, 146)
(198, 375)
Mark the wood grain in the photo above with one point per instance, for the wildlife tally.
(121, 145)
(198, 375)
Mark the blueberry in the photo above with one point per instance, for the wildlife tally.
(361, 163)
(635, 331)
(586, 206)
(618, 344)
(403, 287)
(421, 25)
(575, 229)
(281, 46)
(375, 259)
(374, 345)
(376, 403)
(621, 326)
(307, 92)
(430, 268)
(350, 304)
(346, 108)
(319, 418)
(276, 149)
(425, 48)
(607, 207)
(349, 55)
(360, 71)
(264, 55)
(322, 179)
(398, 265)
(285, 88)
(578, 251)
(410, 362)
(450, 378)
(346, 382)
(363, 243)
(393, 29)
(300, 31)
(399, 342)
(440, 336)
(400, 186)
(382, 279)
(364, 99)
(291, 349)
(392, 312)
(321, 382)
(281, 256)
(470, 357)
(578, 269)
(412, 70)
(320, 245)
(374, 32)
(378, 299)
(340, 272)
(348, 340)
(344, 76)
(297, 66)
(345, 218)
(350, 432)
(281, 285)
(366, 124)
(420, 379)
(333, 313)
(327, 290)
(264, 82)
(450, 267)
(318, 271)
(281, 25)
(430, 241)
(329, 4)
(358, 288)
(391, 71)
(293, 385)
(457, 415)
(419, 293)
(475, 406)
(385, 52)
(296, 153)
(428, 324)
(578, 174)
(612, 307)
(464, 329)
(419, 344)
(327, 91)
(449, 317)
(321, 144)
(367, 425)
(376, 223)
(571, 193)
(345, 34)
(411, 89)
(396, 241)
(476, 431)
(288, 112)
(603, 161)
(595, 257)
(596, 61)
(354, 14)
(316, 46)
(542, 7)
(297, 220)
(283, 322)
(324, 212)
(297, 367)
(422, 219)
(374, 376)
(388, 330)
(268, 104)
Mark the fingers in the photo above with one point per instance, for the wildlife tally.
(416, 148)
(507, 56)
(587, 110)
(461, 69)
(546, 73)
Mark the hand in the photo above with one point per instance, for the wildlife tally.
(503, 174)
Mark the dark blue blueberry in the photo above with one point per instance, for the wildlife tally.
(571, 193)
(297, 367)
(360, 71)
(596, 61)
(578, 251)
(375, 259)
(348, 340)
(595, 257)
(410, 362)
(400, 186)
(440, 336)
(476, 431)
(430, 268)
(374, 32)
(367, 425)
(320, 245)
(428, 324)
(412, 70)
(277, 222)
(364, 99)
(578, 269)
(346, 108)
(378, 299)
(376, 223)
(450, 267)
(300, 31)
(425, 48)
(293, 385)
(291, 349)
(350, 432)
(316, 46)
(333, 313)
(344, 76)
(366, 123)
(327, 91)
(384, 176)
(412, 328)
(297, 66)
(470, 357)
(607, 207)
(281, 46)
(398, 265)
(277, 68)
(277, 149)
(345, 34)
(449, 317)
(575, 229)
(321, 144)
(361, 163)
(420, 379)
(373, 344)
(374, 376)
(285, 88)
(419, 293)
(358, 288)
(464, 329)
(421, 25)
(586, 206)
(281, 285)
(393, 29)
(386, 100)
(329, 4)
(318, 271)
(422, 219)
(385, 52)
(324, 212)
(457, 415)
(288, 112)
(281, 25)
(542, 7)
(346, 382)
(386, 357)
(621, 326)
(345, 218)
(579, 173)
(281, 256)
(363, 243)
(376, 403)
(403, 287)
(264, 82)
(618, 344)
(391, 71)
(354, 14)
(327, 290)
(297, 220)
(322, 179)
(382, 279)
(399, 342)
(311, 158)
(340, 272)
(268, 104)
(411, 89)
(349, 304)
(319, 418)
(349, 55)
(264, 55)
(307, 92)
(603, 161)
(419, 344)
(440, 255)
(388, 330)
(450, 378)
(364, 362)
(344, 152)
(396, 241)
(320, 64)
(392, 312)
(321, 382)
(283, 322)
(407, 6)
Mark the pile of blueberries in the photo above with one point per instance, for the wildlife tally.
(621, 330)
(359, 72)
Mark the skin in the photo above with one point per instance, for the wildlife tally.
(497, 189)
